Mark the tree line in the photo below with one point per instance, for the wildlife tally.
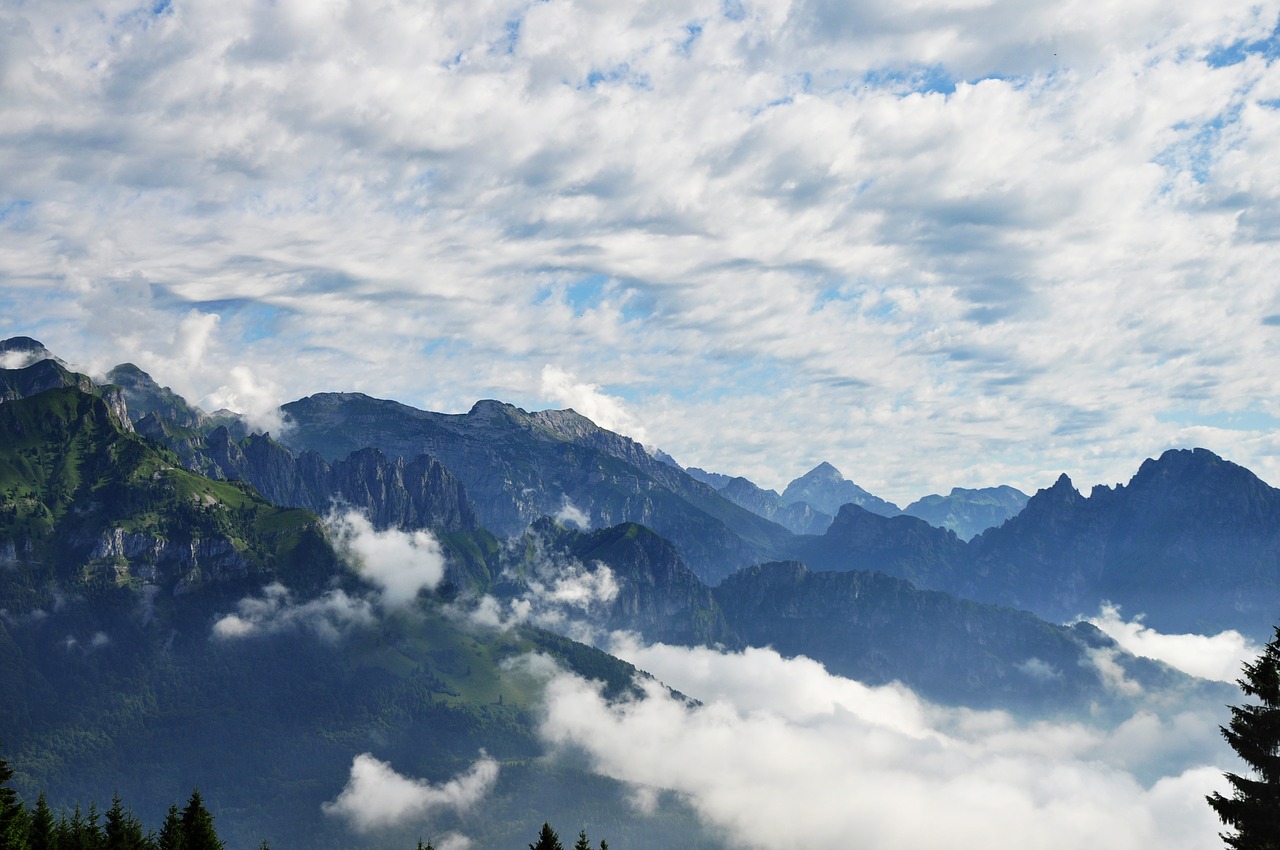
(188, 828)
(38, 828)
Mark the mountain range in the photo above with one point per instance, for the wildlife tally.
(179, 592)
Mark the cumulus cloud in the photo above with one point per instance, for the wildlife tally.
(1218, 657)
(571, 514)
(328, 616)
(904, 238)
(781, 753)
(400, 563)
(376, 796)
(608, 412)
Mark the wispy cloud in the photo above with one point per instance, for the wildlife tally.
(938, 244)
(329, 616)
(1220, 657)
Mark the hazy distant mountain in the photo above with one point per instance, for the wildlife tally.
(518, 466)
(797, 517)
(824, 488)
(969, 512)
(715, 479)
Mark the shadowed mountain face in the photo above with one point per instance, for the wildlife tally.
(877, 629)
(1193, 541)
(518, 466)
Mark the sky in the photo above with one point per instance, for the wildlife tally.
(934, 242)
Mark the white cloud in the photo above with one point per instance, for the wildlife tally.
(376, 796)
(555, 592)
(1220, 657)
(780, 753)
(329, 616)
(401, 563)
(937, 244)
(560, 387)
(571, 514)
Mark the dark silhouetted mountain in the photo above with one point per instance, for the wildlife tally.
(796, 517)
(147, 398)
(1192, 540)
(825, 489)
(969, 512)
(40, 371)
(518, 466)
(877, 629)
(901, 546)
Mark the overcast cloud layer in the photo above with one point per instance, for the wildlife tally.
(936, 243)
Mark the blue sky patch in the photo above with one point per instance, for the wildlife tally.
(1233, 54)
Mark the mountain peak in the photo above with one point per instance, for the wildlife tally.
(18, 352)
(826, 489)
(823, 471)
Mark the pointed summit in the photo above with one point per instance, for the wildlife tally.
(826, 489)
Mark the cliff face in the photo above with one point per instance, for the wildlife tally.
(658, 596)
(518, 466)
(88, 504)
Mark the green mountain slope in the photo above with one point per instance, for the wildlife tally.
(120, 673)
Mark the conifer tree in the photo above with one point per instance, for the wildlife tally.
(1253, 810)
(40, 835)
(13, 816)
(170, 837)
(582, 843)
(547, 839)
(122, 831)
(197, 826)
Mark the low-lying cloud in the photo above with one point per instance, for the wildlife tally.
(376, 796)
(401, 564)
(1218, 657)
(556, 592)
(782, 754)
(328, 616)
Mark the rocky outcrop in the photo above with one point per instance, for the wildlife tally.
(414, 494)
(184, 563)
(519, 466)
